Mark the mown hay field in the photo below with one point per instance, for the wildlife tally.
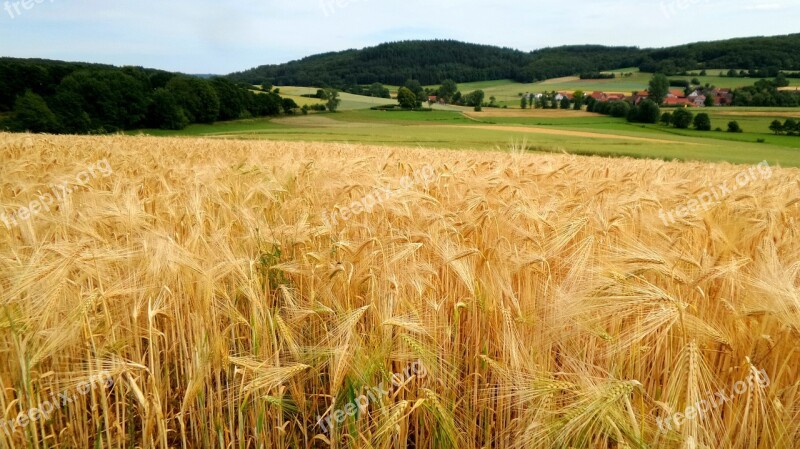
(232, 294)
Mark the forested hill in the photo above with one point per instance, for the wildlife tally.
(394, 63)
(41, 95)
(430, 62)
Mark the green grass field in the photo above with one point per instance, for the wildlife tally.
(559, 132)
(507, 91)
(349, 101)
(546, 131)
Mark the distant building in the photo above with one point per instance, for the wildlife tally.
(675, 97)
(723, 97)
(599, 96)
(678, 102)
(638, 97)
(698, 100)
(676, 93)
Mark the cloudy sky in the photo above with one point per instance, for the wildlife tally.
(216, 36)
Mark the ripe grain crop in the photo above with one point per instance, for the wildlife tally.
(545, 299)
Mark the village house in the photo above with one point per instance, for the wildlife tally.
(561, 95)
(678, 102)
(676, 93)
(599, 96)
(698, 100)
(723, 97)
(675, 97)
(435, 99)
(638, 97)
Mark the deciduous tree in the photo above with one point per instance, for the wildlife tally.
(333, 101)
(31, 113)
(448, 90)
(682, 118)
(406, 98)
(702, 122)
(658, 88)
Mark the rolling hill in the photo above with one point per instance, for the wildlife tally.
(432, 61)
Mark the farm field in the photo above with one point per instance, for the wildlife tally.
(199, 292)
(349, 101)
(559, 131)
(507, 91)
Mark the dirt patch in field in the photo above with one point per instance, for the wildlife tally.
(761, 114)
(531, 113)
(565, 79)
(563, 132)
(314, 121)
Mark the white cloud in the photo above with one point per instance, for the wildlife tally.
(213, 36)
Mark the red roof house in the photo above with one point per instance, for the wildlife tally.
(676, 93)
(678, 102)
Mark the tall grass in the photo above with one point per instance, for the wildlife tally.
(548, 302)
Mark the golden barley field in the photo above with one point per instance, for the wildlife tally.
(233, 294)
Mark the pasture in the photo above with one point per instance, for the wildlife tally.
(507, 91)
(575, 132)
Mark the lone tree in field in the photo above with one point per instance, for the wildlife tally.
(702, 122)
(288, 105)
(333, 101)
(791, 127)
(577, 98)
(733, 127)
(416, 88)
(476, 99)
(448, 90)
(649, 111)
(658, 88)
(682, 118)
(776, 126)
(406, 98)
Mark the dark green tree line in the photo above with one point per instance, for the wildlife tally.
(60, 97)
